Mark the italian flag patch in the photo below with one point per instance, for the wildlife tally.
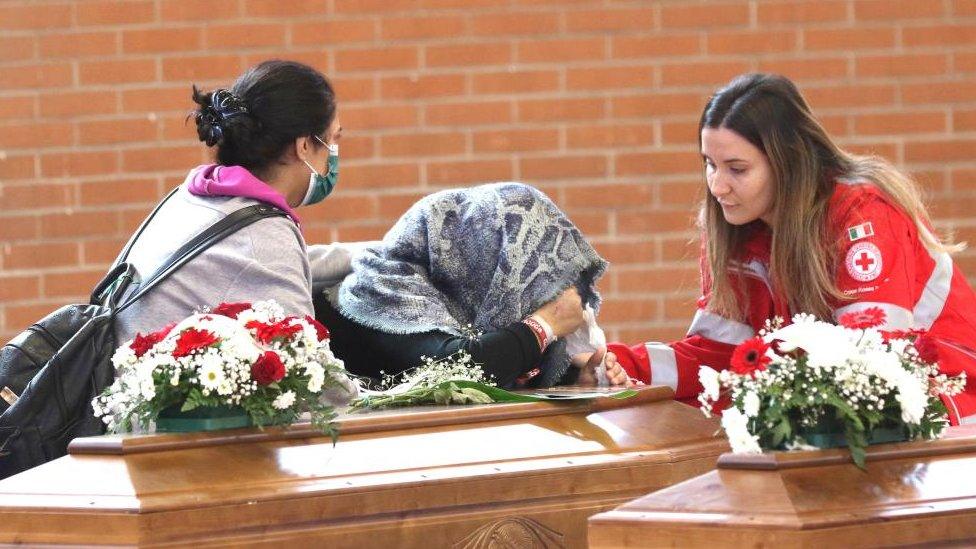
(858, 232)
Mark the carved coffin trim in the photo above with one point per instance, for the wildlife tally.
(512, 533)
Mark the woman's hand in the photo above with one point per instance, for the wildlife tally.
(587, 364)
(563, 314)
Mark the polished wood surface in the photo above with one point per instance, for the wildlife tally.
(909, 494)
(435, 477)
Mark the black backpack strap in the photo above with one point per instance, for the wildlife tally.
(223, 228)
(119, 267)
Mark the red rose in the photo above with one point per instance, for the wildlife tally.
(231, 309)
(142, 343)
(865, 318)
(266, 333)
(268, 369)
(750, 356)
(320, 330)
(191, 340)
(927, 349)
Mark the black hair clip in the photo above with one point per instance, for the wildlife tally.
(226, 104)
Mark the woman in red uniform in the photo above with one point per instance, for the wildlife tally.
(792, 223)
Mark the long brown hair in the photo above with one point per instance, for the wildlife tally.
(769, 112)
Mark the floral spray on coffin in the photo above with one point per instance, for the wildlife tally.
(813, 384)
(238, 365)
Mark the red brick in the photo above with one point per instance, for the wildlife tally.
(616, 135)
(293, 8)
(861, 38)
(629, 309)
(602, 78)
(965, 61)
(849, 96)
(701, 72)
(73, 164)
(380, 176)
(965, 8)
(130, 190)
(397, 58)
(79, 224)
(562, 167)
(34, 256)
(211, 67)
(817, 11)
(939, 92)
(162, 40)
(72, 104)
(680, 132)
(462, 114)
(733, 42)
(373, 230)
(557, 51)
(73, 283)
(35, 17)
(664, 279)
(17, 48)
(939, 35)
(896, 10)
(16, 167)
(343, 207)
(358, 147)
(422, 144)
(681, 193)
(887, 150)
(103, 132)
(682, 308)
(156, 99)
(100, 251)
(379, 6)
(899, 123)
(35, 195)
(417, 28)
(19, 228)
(515, 82)
(946, 150)
(964, 120)
(901, 65)
(16, 106)
(333, 32)
(78, 44)
(468, 172)
(658, 162)
(514, 24)
(377, 117)
(624, 253)
(658, 104)
(244, 36)
(591, 223)
(114, 12)
(117, 72)
(194, 10)
(392, 206)
(664, 45)
(35, 76)
(460, 55)
(561, 109)
(354, 89)
(419, 87)
(708, 15)
(516, 140)
(174, 127)
(34, 135)
(608, 195)
(19, 288)
(640, 19)
(19, 317)
(157, 159)
(817, 68)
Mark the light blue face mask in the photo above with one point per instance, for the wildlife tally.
(321, 185)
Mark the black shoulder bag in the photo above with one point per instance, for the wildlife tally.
(50, 373)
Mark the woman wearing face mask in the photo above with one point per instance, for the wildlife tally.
(276, 136)
(792, 223)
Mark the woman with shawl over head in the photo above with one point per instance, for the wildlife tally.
(496, 270)
(793, 223)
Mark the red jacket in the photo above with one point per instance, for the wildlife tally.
(884, 264)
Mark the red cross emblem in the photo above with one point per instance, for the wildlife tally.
(864, 261)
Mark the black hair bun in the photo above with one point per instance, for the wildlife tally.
(215, 114)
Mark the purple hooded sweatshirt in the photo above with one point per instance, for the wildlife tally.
(217, 180)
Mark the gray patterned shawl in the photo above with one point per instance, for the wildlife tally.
(485, 256)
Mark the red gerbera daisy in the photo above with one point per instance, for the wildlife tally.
(320, 330)
(191, 340)
(231, 309)
(142, 343)
(750, 356)
(865, 318)
(266, 333)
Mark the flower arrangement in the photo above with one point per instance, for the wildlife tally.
(789, 380)
(275, 367)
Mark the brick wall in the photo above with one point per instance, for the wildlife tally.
(594, 101)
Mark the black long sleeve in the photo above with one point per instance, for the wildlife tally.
(504, 354)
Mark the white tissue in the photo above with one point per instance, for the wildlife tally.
(587, 339)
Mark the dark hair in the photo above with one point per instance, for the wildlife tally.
(268, 107)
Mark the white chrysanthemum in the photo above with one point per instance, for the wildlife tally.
(750, 404)
(710, 383)
(316, 376)
(284, 400)
(827, 345)
(736, 428)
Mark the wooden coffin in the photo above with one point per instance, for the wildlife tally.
(916, 493)
(437, 477)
